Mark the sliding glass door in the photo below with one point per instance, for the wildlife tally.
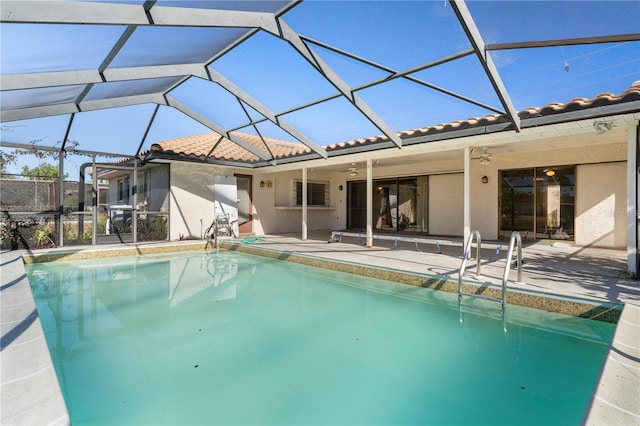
(539, 203)
(399, 204)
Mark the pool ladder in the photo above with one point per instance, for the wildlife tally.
(515, 239)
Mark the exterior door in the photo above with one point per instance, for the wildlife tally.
(245, 206)
(539, 203)
(517, 203)
(357, 205)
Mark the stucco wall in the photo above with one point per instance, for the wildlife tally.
(601, 203)
(275, 212)
(484, 197)
(190, 199)
(601, 192)
(446, 204)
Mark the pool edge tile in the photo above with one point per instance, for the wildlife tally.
(616, 396)
(31, 394)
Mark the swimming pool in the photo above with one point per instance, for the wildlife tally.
(230, 338)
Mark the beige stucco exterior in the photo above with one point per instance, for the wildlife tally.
(191, 200)
(600, 209)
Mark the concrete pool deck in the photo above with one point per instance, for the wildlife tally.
(30, 393)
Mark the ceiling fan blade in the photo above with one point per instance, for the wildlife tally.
(504, 159)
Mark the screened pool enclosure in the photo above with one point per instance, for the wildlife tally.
(87, 88)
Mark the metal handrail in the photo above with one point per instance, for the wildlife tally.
(465, 256)
(515, 238)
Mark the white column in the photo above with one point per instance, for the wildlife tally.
(94, 201)
(134, 212)
(61, 199)
(467, 193)
(369, 204)
(304, 204)
(632, 199)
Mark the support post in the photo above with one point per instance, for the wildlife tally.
(134, 211)
(369, 203)
(304, 204)
(94, 202)
(633, 222)
(61, 199)
(467, 194)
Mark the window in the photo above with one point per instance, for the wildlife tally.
(123, 190)
(317, 193)
(399, 204)
(539, 203)
(143, 189)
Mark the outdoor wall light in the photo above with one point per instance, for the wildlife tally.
(262, 184)
(485, 179)
(340, 188)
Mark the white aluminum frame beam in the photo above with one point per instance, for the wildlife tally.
(71, 107)
(89, 13)
(37, 112)
(294, 39)
(180, 106)
(564, 42)
(71, 78)
(235, 90)
(406, 74)
(57, 149)
(146, 131)
(470, 28)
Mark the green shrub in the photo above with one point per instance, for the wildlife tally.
(26, 234)
(152, 229)
(71, 236)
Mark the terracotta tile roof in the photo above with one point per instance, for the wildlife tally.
(204, 145)
(200, 146)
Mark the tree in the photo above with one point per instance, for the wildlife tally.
(44, 171)
(3, 170)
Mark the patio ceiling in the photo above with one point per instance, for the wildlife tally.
(115, 77)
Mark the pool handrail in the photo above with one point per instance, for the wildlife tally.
(515, 239)
(465, 255)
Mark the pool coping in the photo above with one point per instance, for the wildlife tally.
(35, 396)
(572, 306)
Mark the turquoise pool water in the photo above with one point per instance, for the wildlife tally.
(228, 338)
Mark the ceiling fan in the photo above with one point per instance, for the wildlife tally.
(485, 157)
(353, 170)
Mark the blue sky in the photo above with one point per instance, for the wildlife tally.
(396, 35)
